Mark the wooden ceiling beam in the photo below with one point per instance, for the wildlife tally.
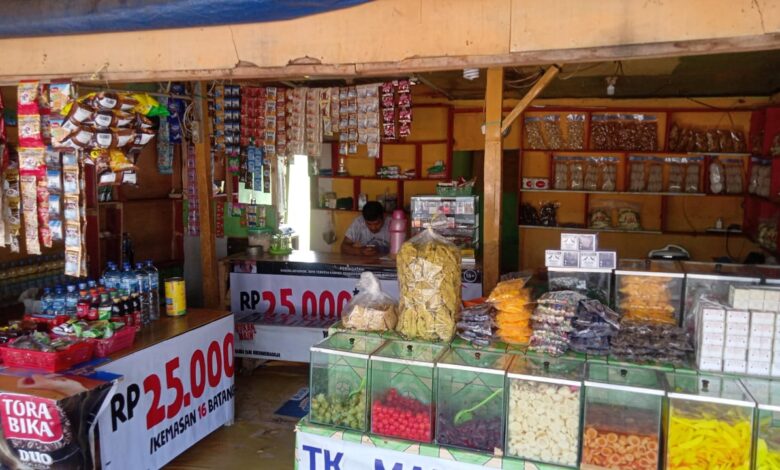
(531, 95)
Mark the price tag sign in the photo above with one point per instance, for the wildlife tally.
(173, 394)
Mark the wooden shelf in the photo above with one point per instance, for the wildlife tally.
(584, 229)
(618, 193)
(333, 210)
(377, 178)
(638, 152)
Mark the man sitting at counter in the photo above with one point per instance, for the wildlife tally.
(369, 234)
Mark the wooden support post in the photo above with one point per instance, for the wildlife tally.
(530, 96)
(208, 252)
(492, 178)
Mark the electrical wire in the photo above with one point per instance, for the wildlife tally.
(578, 70)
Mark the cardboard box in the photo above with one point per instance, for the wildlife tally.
(571, 259)
(771, 306)
(713, 351)
(735, 353)
(589, 260)
(570, 242)
(771, 295)
(756, 304)
(734, 366)
(607, 259)
(713, 327)
(756, 294)
(762, 331)
(737, 329)
(737, 316)
(758, 368)
(713, 339)
(763, 318)
(759, 355)
(739, 297)
(775, 370)
(761, 343)
(588, 242)
(553, 258)
(713, 314)
(711, 364)
(536, 183)
(734, 341)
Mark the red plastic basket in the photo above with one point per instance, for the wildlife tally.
(122, 339)
(48, 361)
(49, 322)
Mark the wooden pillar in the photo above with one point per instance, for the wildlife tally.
(492, 178)
(208, 251)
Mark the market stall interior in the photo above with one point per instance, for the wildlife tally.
(612, 254)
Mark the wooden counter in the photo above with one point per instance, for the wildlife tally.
(169, 327)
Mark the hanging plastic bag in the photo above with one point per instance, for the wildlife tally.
(429, 278)
(371, 309)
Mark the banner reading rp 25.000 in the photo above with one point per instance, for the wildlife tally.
(173, 394)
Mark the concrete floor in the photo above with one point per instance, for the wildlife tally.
(259, 438)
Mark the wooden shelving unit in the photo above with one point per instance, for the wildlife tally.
(655, 208)
(417, 154)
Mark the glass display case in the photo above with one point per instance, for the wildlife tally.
(470, 399)
(711, 280)
(766, 444)
(649, 290)
(595, 283)
(543, 409)
(456, 218)
(710, 423)
(338, 380)
(623, 411)
(402, 389)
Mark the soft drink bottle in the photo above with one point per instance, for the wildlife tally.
(144, 291)
(154, 287)
(104, 308)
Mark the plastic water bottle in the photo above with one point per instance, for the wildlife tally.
(127, 281)
(111, 276)
(58, 302)
(47, 299)
(144, 292)
(71, 301)
(154, 289)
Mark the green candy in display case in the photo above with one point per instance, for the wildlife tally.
(402, 389)
(339, 380)
(622, 419)
(544, 409)
(470, 399)
(710, 423)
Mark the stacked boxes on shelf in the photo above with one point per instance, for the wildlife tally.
(741, 337)
(579, 250)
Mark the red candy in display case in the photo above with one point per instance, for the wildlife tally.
(402, 389)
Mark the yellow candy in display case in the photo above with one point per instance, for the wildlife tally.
(710, 423)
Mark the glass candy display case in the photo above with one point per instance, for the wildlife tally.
(622, 418)
(594, 283)
(766, 444)
(711, 281)
(543, 409)
(470, 399)
(649, 290)
(339, 380)
(710, 423)
(402, 389)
